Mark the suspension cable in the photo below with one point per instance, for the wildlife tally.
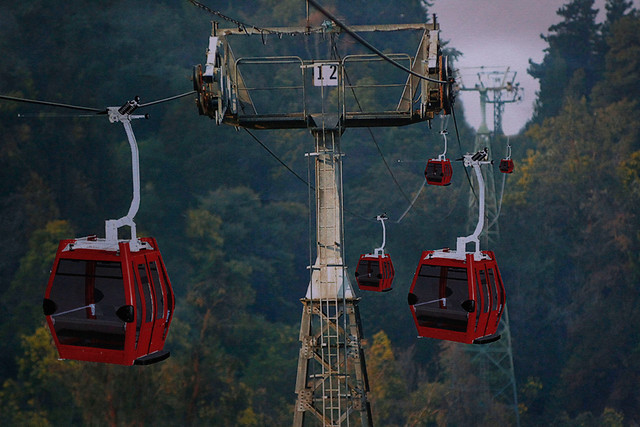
(370, 46)
(455, 124)
(240, 24)
(244, 26)
(96, 110)
(305, 182)
(171, 98)
(373, 138)
(53, 104)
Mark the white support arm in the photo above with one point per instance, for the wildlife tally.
(380, 251)
(475, 160)
(112, 225)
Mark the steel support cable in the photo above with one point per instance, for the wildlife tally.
(455, 124)
(373, 138)
(53, 104)
(240, 24)
(305, 182)
(243, 26)
(504, 179)
(171, 98)
(96, 110)
(411, 202)
(370, 46)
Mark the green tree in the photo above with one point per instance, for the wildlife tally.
(574, 190)
(39, 394)
(572, 46)
(387, 388)
(23, 298)
(622, 69)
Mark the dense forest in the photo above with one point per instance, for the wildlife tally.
(233, 224)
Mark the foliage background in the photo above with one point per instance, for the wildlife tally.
(233, 224)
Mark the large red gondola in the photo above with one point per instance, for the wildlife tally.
(458, 295)
(110, 300)
(374, 271)
(457, 299)
(110, 306)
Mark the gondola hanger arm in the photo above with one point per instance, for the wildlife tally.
(475, 161)
(123, 115)
(380, 251)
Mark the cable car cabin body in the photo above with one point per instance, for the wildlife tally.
(438, 172)
(506, 166)
(457, 298)
(375, 272)
(109, 305)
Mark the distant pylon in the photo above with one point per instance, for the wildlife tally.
(495, 360)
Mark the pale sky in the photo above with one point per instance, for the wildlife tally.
(499, 33)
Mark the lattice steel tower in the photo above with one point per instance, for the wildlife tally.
(495, 87)
(495, 360)
(331, 382)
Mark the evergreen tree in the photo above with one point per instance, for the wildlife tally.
(572, 47)
(622, 73)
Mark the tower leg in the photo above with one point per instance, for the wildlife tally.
(331, 383)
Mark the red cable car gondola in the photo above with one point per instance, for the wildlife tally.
(375, 272)
(110, 300)
(109, 305)
(438, 171)
(457, 299)
(458, 295)
(506, 164)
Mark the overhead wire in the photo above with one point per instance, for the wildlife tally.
(370, 46)
(455, 124)
(241, 25)
(373, 138)
(422, 186)
(52, 104)
(504, 179)
(171, 98)
(306, 182)
(82, 108)
(263, 145)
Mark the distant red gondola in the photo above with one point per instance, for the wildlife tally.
(438, 171)
(458, 295)
(375, 272)
(506, 164)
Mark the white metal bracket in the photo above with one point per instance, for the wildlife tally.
(110, 242)
(380, 251)
(475, 161)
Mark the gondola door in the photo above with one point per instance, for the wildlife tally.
(159, 289)
(498, 299)
(485, 299)
(145, 314)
